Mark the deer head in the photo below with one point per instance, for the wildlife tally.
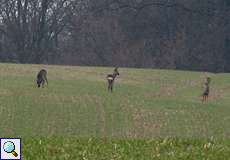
(115, 72)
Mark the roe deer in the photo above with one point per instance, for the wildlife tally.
(42, 78)
(207, 90)
(111, 78)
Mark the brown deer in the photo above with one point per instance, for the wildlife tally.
(111, 78)
(207, 90)
(42, 78)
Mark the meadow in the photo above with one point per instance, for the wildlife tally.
(152, 114)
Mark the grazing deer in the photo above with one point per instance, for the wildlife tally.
(206, 91)
(111, 78)
(42, 78)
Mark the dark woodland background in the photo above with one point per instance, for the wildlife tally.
(175, 34)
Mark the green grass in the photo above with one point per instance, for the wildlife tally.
(152, 114)
(107, 149)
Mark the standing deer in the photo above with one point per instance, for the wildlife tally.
(42, 78)
(206, 91)
(111, 78)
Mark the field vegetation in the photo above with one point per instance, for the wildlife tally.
(152, 114)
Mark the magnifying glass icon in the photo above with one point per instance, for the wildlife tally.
(9, 147)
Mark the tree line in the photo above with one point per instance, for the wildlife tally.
(174, 34)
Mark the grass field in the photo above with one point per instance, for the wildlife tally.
(152, 114)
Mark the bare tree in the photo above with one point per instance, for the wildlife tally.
(32, 27)
(181, 34)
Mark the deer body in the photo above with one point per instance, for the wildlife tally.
(206, 91)
(42, 78)
(111, 78)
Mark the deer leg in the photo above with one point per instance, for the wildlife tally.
(204, 98)
(43, 84)
(108, 86)
(111, 87)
